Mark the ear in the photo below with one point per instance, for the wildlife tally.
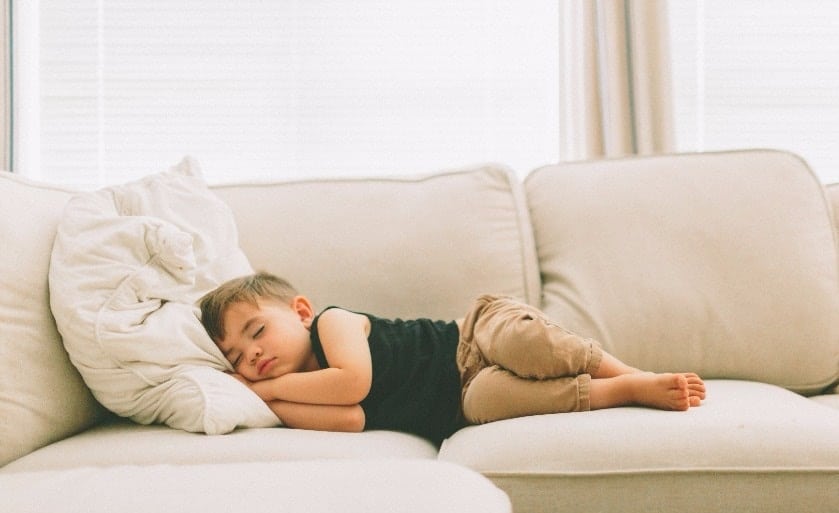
(304, 309)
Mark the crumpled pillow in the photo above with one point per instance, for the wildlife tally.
(128, 264)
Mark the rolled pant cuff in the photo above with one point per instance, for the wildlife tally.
(584, 392)
(595, 357)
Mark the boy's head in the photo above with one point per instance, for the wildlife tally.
(246, 289)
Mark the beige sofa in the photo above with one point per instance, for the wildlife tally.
(721, 263)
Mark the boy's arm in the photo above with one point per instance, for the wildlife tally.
(319, 417)
(347, 381)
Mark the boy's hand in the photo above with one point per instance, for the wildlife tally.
(260, 388)
(250, 384)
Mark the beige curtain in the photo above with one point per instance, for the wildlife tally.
(5, 88)
(615, 88)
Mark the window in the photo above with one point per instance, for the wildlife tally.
(758, 73)
(263, 90)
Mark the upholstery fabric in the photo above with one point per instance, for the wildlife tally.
(403, 247)
(724, 264)
(306, 487)
(126, 443)
(42, 396)
(742, 433)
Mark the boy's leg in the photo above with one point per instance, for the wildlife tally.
(497, 394)
(611, 367)
(502, 331)
(530, 365)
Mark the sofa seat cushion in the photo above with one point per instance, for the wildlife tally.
(829, 400)
(305, 487)
(125, 443)
(749, 447)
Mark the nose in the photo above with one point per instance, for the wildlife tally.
(254, 352)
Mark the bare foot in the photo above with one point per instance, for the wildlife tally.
(662, 391)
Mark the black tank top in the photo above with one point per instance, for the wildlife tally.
(416, 384)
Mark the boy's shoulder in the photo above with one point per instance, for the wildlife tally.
(335, 318)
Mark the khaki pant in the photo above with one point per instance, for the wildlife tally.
(514, 362)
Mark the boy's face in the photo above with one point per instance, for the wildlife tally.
(269, 339)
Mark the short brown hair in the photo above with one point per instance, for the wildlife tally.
(247, 289)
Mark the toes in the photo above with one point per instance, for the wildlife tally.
(699, 394)
(696, 387)
(693, 379)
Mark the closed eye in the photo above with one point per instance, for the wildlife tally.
(258, 332)
(234, 361)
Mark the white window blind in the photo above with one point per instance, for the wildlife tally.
(758, 73)
(262, 89)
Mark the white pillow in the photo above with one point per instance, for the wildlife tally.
(128, 264)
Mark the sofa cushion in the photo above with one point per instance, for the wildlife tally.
(749, 447)
(42, 396)
(121, 442)
(720, 263)
(402, 247)
(128, 264)
(304, 487)
(830, 399)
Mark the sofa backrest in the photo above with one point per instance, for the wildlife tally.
(402, 247)
(42, 396)
(722, 263)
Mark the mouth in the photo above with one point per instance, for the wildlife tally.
(264, 365)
